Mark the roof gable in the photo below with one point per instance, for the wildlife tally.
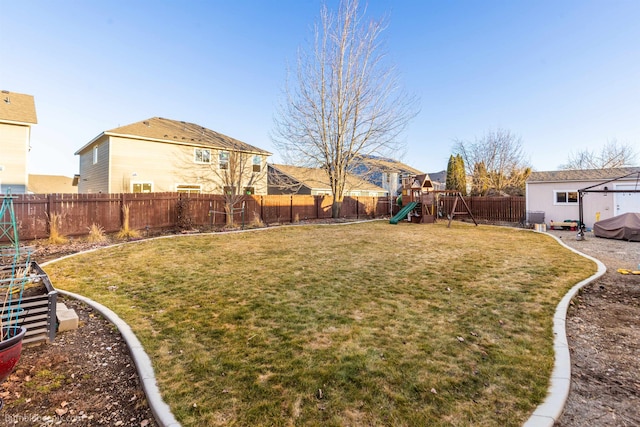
(17, 108)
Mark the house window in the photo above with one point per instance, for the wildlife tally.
(189, 188)
(95, 154)
(141, 187)
(202, 155)
(565, 197)
(229, 190)
(224, 160)
(257, 163)
(249, 191)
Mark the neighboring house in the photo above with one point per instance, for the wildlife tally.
(556, 194)
(48, 184)
(439, 180)
(17, 114)
(285, 179)
(384, 172)
(158, 155)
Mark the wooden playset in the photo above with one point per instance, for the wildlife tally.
(421, 203)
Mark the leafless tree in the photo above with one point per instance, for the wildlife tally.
(233, 174)
(496, 162)
(612, 155)
(344, 101)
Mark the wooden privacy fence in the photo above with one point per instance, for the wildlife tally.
(152, 211)
(491, 209)
(149, 211)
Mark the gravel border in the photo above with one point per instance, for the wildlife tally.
(549, 411)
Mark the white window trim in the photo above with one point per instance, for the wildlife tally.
(258, 163)
(142, 183)
(195, 156)
(192, 189)
(95, 154)
(567, 203)
(220, 162)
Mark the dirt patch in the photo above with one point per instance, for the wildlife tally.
(85, 376)
(603, 329)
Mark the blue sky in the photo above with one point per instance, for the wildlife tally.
(563, 75)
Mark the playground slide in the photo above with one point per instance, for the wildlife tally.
(403, 213)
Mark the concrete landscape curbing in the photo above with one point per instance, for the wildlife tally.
(161, 411)
(548, 412)
(545, 415)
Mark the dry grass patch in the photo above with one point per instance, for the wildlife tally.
(55, 236)
(367, 324)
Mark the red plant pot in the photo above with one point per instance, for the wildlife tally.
(10, 350)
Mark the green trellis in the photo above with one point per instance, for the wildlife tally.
(15, 264)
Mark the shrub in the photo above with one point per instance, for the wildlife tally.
(55, 222)
(96, 234)
(256, 222)
(126, 232)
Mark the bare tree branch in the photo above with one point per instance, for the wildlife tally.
(345, 100)
(612, 155)
(496, 162)
(234, 174)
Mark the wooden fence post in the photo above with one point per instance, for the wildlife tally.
(49, 211)
(122, 205)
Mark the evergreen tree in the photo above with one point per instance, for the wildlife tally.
(451, 175)
(460, 175)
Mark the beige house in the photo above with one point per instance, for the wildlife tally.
(384, 172)
(17, 114)
(285, 179)
(162, 155)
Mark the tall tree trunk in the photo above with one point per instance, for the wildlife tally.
(336, 207)
(228, 210)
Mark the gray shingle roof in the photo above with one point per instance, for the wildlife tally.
(159, 128)
(317, 179)
(17, 107)
(581, 175)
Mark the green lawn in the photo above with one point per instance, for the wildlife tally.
(361, 324)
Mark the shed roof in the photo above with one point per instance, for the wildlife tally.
(17, 108)
(179, 132)
(584, 175)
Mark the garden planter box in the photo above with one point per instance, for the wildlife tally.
(38, 307)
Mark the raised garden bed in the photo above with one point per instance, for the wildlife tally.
(37, 303)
